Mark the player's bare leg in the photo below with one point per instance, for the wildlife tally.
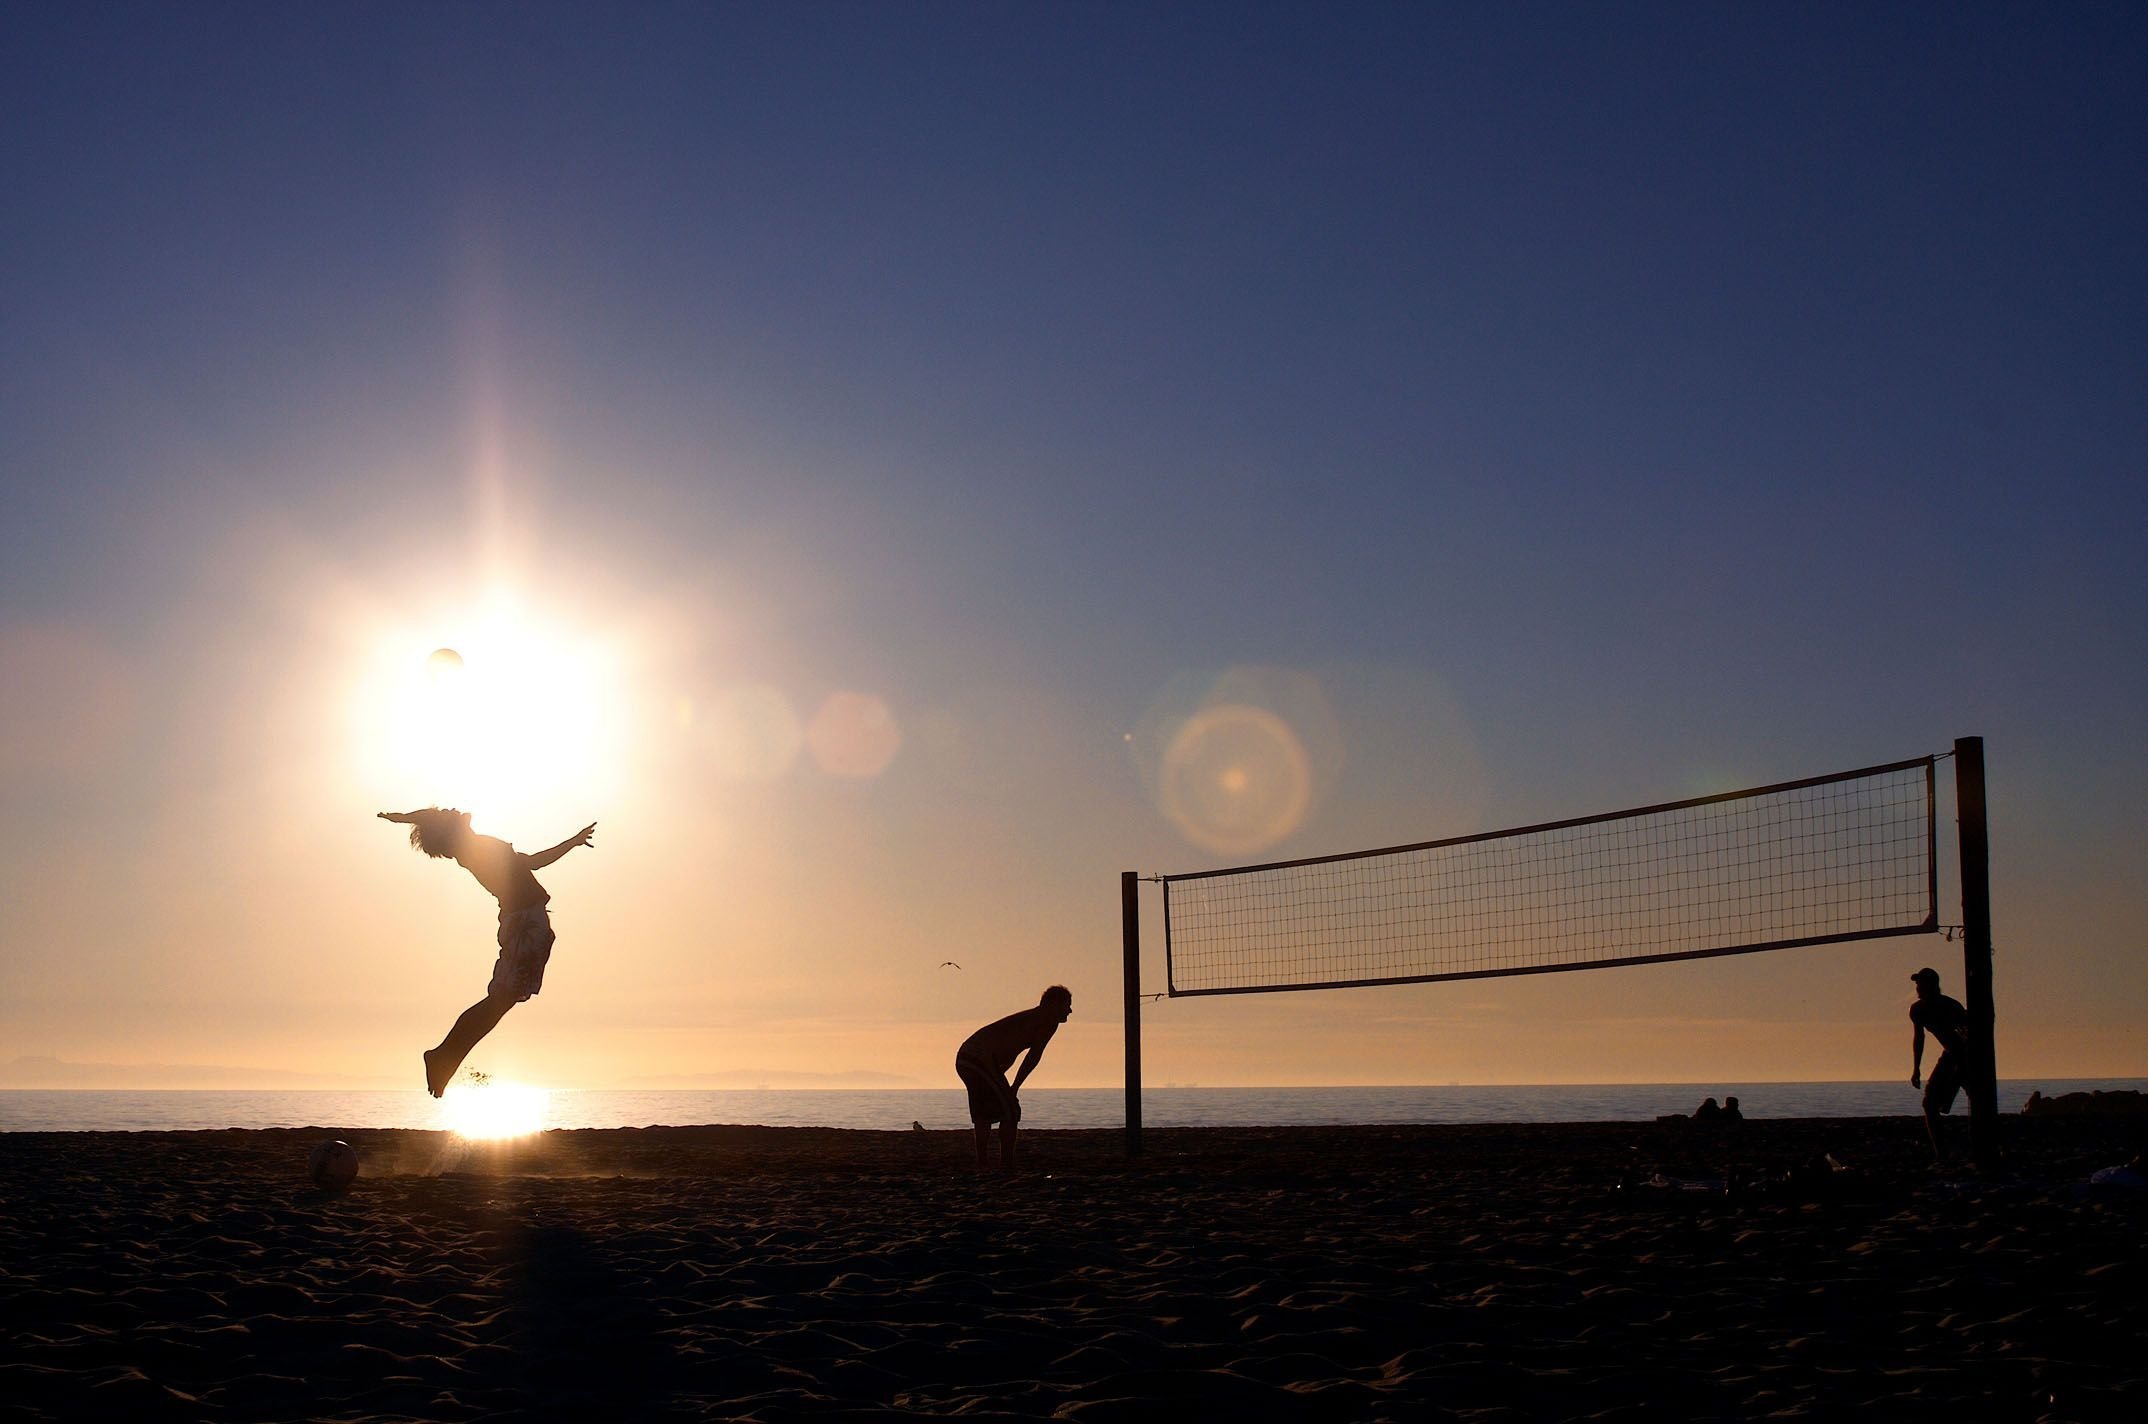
(476, 1021)
(1931, 1129)
(1006, 1145)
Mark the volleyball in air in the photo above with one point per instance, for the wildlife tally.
(444, 660)
(333, 1166)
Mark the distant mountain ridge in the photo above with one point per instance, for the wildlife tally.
(45, 1071)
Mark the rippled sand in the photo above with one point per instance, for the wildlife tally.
(1597, 1271)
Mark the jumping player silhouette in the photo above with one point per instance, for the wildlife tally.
(525, 936)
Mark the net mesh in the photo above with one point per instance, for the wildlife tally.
(1833, 858)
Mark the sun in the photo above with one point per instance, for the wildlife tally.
(513, 716)
(493, 1109)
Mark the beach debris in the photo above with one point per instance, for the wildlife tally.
(333, 1165)
(2132, 1175)
(1820, 1177)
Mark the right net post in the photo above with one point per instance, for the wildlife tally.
(1976, 949)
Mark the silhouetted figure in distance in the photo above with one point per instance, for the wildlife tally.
(1947, 1021)
(1708, 1114)
(1730, 1111)
(525, 936)
(982, 1062)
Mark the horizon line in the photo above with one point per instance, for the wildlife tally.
(2073, 1077)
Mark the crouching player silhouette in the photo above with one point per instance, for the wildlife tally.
(525, 924)
(982, 1062)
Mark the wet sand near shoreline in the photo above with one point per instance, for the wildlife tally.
(1585, 1271)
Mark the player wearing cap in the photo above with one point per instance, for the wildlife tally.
(1947, 1021)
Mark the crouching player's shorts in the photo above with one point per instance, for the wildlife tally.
(991, 1100)
(525, 946)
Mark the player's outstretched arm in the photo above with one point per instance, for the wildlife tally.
(585, 836)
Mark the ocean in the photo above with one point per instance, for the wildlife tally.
(895, 1109)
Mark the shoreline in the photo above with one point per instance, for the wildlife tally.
(1610, 1271)
(25, 1110)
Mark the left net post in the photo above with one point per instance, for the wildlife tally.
(1130, 935)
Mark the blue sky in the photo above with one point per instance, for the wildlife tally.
(1596, 404)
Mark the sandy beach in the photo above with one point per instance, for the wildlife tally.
(1600, 1272)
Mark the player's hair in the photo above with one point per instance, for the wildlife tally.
(1060, 993)
(435, 830)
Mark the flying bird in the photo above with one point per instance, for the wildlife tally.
(949, 964)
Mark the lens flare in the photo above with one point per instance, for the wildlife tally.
(854, 734)
(1235, 779)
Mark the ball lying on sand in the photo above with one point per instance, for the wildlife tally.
(333, 1166)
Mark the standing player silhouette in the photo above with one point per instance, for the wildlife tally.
(525, 936)
(1945, 1019)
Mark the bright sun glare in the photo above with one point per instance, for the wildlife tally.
(494, 1109)
(501, 716)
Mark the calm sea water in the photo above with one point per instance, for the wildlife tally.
(48, 1110)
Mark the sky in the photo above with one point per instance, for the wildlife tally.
(847, 444)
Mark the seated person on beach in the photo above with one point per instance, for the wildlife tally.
(1730, 1111)
(982, 1062)
(1708, 1112)
(1946, 1020)
(525, 934)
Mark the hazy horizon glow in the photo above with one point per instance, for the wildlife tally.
(894, 473)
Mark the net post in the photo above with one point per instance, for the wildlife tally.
(1130, 934)
(1976, 949)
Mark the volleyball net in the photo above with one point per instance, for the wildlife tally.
(1830, 858)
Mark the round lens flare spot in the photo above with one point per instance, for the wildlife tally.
(491, 1110)
(1235, 779)
(853, 735)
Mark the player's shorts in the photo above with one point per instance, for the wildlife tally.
(991, 1100)
(1943, 1085)
(525, 947)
